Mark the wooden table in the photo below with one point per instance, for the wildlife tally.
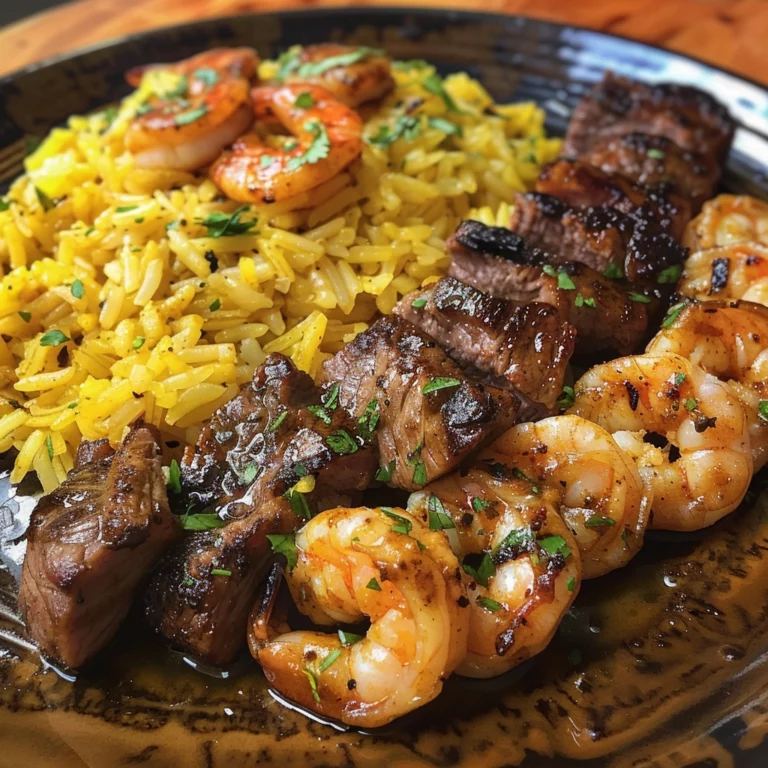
(729, 33)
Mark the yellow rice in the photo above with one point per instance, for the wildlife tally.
(163, 338)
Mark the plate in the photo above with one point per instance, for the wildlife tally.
(660, 664)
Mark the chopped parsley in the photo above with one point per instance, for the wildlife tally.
(762, 409)
(78, 289)
(420, 302)
(691, 404)
(249, 473)
(404, 128)
(206, 76)
(190, 116)
(384, 475)
(555, 545)
(138, 342)
(49, 446)
(483, 573)
(404, 525)
(639, 297)
(220, 572)
(374, 585)
(446, 126)
(679, 379)
(319, 413)
(419, 473)
(284, 544)
(201, 522)
(434, 84)
(221, 224)
(310, 675)
(304, 100)
(582, 302)
(439, 519)
(331, 399)
(599, 521)
(174, 477)
(670, 274)
(518, 540)
(367, 423)
(520, 475)
(329, 659)
(404, 66)
(563, 278)
(53, 338)
(656, 154)
(45, 201)
(613, 272)
(316, 151)
(570, 584)
(672, 314)
(489, 604)
(298, 503)
(275, 425)
(315, 68)
(349, 638)
(215, 305)
(266, 161)
(341, 442)
(125, 208)
(479, 504)
(567, 398)
(25, 316)
(441, 382)
(4, 205)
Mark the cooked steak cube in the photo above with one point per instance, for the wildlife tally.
(598, 237)
(581, 185)
(691, 118)
(606, 313)
(429, 413)
(651, 161)
(91, 543)
(244, 466)
(527, 345)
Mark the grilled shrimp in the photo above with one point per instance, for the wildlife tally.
(328, 138)
(377, 563)
(605, 502)
(728, 340)
(727, 220)
(726, 272)
(526, 568)
(705, 466)
(353, 75)
(198, 107)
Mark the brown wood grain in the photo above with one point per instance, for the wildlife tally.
(728, 33)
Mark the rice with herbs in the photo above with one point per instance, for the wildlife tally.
(135, 294)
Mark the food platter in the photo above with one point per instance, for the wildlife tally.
(661, 662)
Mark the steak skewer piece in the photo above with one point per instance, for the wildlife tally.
(91, 543)
(526, 345)
(599, 237)
(691, 118)
(652, 161)
(607, 314)
(581, 185)
(429, 414)
(245, 466)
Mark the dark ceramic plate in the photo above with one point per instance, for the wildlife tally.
(659, 665)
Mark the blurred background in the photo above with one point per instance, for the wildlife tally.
(14, 10)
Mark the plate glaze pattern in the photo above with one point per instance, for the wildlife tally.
(660, 665)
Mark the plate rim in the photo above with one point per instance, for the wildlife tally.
(387, 10)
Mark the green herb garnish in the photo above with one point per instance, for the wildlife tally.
(441, 382)
(284, 544)
(567, 398)
(489, 604)
(174, 476)
(315, 68)
(439, 519)
(434, 84)
(639, 297)
(374, 585)
(25, 316)
(304, 100)
(599, 521)
(190, 116)
(341, 442)
(483, 573)
(221, 224)
(316, 151)
(138, 342)
(78, 289)
(349, 638)
(220, 572)
(329, 659)
(670, 274)
(53, 338)
(201, 522)
(275, 425)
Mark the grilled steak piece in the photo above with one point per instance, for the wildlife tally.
(529, 346)
(598, 237)
(421, 435)
(244, 465)
(691, 118)
(90, 544)
(651, 161)
(603, 311)
(581, 185)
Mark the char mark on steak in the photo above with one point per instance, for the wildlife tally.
(90, 545)
(526, 345)
(607, 313)
(653, 161)
(580, 185)
(244, 467)
(691, 118)
(599, 237)
(431, 414)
